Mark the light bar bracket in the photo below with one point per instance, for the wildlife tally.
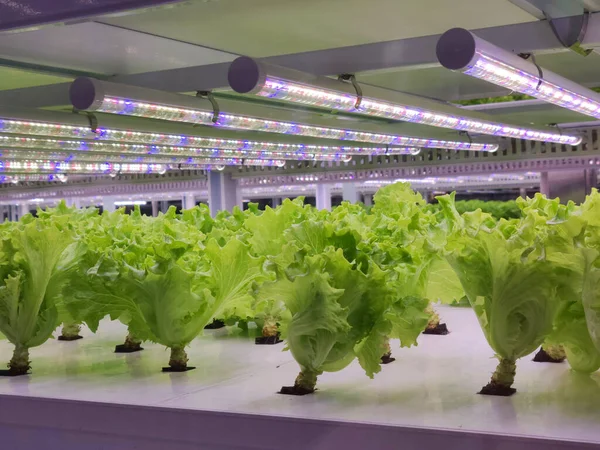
(540, 70)
(92, 119)
(211, 98)
(466, 133)
(352, 79)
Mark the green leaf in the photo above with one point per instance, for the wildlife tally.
(317, 321)
(35, 252)
(444, 285)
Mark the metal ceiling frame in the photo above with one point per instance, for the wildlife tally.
(411, 53)
(536, 37)
(520, 157)
(122, 185)
(415, 52)
(542, 9)
(392, 173)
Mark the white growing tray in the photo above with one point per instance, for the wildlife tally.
(82, 396)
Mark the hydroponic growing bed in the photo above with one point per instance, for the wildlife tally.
(342, 288)
(81, 395)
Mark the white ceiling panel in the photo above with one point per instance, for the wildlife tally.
(104, 49)
(17, 79)
(272, 27)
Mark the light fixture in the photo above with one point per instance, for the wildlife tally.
(460, 50)
(248, 76)
(130, 202)
(88, 94)
(198, 146)
(79, 156)
(44, 166)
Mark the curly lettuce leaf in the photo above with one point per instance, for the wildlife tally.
(31, 279)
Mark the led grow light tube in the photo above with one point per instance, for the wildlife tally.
(88, 94)
(37, 166)
(103, 157)
(462, 51)
(130, 202)
(248, 76)
(31, 177)
(241, 149)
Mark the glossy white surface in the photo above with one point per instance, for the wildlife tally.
(431, 386)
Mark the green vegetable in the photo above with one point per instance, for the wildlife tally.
(166, 284)
(497, 209)
(511, 287)
(560, 232)
(34, 255)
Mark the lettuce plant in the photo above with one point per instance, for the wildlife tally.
(409, 239)
(560, 233)
(511, 287)
(266, 240)
(166, 283)
(340, 305)
(36, 253)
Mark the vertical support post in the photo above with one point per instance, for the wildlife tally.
(591, 180)
(349, 192)
(523, 192)
(323, 196)
(23, 209)
(368, 199)
(12, 213)
(108, 204)
(154, 208)
(544, 184)
(188, 201)
(222, 192)
(568, 184)
(164, 206)
(73, 202)
(276, 202)
(239, 199)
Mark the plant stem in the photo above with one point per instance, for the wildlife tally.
(131, 342)
(386, 358)
(306, 380)
(434, 318)
(386, 348)
(270, 327)
(19, 364)
(556, 352)
(179, 359)
(70, 329)
(505, 373)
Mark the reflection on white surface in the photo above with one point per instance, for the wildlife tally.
(432, 385)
